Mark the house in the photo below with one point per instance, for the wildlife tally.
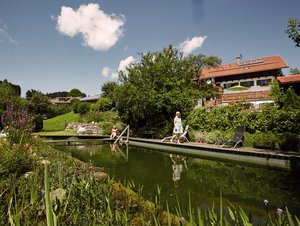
(62, 100)
(243, 80)
(290, 81)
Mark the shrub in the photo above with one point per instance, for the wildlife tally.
(14, 162)
(103, 104)
(265, 140)
(289, 142)
(38, 123)
(75, 104)
(83, 108)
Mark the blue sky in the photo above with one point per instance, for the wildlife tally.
(52, 45)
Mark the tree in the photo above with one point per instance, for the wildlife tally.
(154, 89)
(29, 93)
(58, 94)
(39, 103)
(293, 31)
(276, 93)
(108, 88)
(76, 93)
(103, 104)
(10, 95)
(294, 71)
(15, 88)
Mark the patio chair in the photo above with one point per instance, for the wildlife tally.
(181, 137)
(237, 138)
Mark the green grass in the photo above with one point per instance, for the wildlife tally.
(59, 123)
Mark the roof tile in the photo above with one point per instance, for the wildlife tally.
(248, 66)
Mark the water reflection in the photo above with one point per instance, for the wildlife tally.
(243, 186)
(178, 162)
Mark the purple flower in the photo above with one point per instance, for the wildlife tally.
(279, 211)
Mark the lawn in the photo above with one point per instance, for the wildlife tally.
(60, 122)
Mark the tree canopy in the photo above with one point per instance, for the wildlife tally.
(76, 93)
(294, 71)
(158, 86)
(293, 31)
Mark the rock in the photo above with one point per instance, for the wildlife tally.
(81, 130)
(84, 128)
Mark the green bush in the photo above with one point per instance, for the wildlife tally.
(38, 123)
(83, 108)
(14, 161)
(106, 127)
(103, 104)
(289, 142)
(265, 140)
(75, 105)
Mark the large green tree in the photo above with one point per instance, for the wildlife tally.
(293, 30)
(158, 86)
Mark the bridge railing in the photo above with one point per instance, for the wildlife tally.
(121, 135)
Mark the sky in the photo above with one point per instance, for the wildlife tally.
(59, 45)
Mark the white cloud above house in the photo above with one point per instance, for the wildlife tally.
(190, 45)
(99, 30)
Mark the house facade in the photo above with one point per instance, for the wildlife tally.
(247, 81)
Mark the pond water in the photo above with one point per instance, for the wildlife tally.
(177, 176)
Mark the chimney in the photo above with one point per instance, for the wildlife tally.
(238, 60)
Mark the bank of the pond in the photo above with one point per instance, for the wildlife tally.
(261, 157)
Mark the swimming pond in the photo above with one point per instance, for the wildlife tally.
(179, 175)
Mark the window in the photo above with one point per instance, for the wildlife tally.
(263, 82)
(228, 85)
(247, 83)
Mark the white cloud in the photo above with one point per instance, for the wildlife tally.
(4, 35)
(106, 71)
(126, 63)
(189, 46)
(99, 30)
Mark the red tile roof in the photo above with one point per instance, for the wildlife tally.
(262, 95)
(289, 79)
(243, 67)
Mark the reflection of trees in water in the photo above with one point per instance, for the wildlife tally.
(248, 183)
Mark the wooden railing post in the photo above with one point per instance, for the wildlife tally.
(127, 128)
